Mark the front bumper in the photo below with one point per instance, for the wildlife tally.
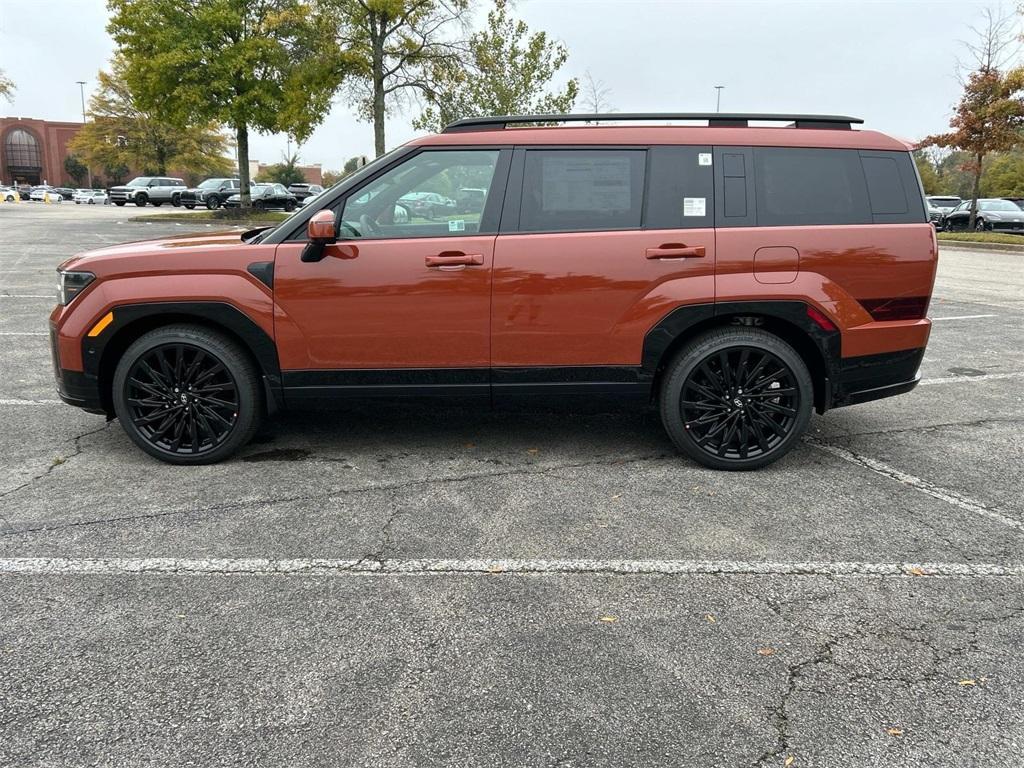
(1006, 226)
(75, 388)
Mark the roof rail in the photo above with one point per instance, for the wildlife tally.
(714, 119)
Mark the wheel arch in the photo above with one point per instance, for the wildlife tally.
(100, 358)
(818, 348)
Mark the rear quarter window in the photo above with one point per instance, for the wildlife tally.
(802, 186)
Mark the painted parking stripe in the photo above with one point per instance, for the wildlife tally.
(918, 484)
(961, 317)
(28, 296)
(157, 566)
(24, 333)
(19, 401)
(983, 377)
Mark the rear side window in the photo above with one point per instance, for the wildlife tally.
(894, 190)
(795, 186)
(681, 188)
(582, 189)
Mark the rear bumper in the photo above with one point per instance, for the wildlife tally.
(872, 377)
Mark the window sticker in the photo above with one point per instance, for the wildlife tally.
(586, 183)
(694, 206)
(457, 225)
(703, 158)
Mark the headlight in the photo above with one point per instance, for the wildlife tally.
(71, 284)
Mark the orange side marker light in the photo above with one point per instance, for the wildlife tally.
(106, 320)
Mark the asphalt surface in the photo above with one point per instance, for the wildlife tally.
(412, 586)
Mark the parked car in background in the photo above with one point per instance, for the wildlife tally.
(470, 200)
(212, 193)
(428, 205)
(266, 196)
(147, 189)
(44, 193)
(65, 192)
(9, 194)
(302, 190)
(308, 198)
(91, 197)
(994, 215)
(939, 206)
(1018, 201)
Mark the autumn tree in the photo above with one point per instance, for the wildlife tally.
(401, 44)
(263, 65)
(121, 131)
(6, 86)
(990, 115)
(508, 72)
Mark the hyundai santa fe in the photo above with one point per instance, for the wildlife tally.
(733, 276)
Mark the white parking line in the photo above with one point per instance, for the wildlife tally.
(14, 401)
(24, 333)
(961, 317)
(156, 566)
(28, 296)
(918, 484)
(983, 377)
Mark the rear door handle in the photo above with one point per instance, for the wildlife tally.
(673, 251)
(455, 259)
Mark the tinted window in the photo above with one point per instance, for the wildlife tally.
(582, 189)
(885, 189)
(797, 186)
(417, 197)
(680, 191)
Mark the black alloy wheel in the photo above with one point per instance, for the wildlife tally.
(141, 199)
(737, 398)
(212, 202)
(187, 395)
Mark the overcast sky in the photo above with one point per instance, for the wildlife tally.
(892, 63)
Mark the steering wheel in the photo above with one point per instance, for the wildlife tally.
(367, 224)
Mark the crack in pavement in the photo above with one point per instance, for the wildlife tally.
(60, 461)
(342, 492)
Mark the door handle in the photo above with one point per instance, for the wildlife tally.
(676, 251)
(455, 259)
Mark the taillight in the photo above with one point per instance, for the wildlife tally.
(899, 308)
(820, 319)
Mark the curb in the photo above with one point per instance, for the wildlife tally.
(967, 245)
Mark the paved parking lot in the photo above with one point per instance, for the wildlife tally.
(406, 586)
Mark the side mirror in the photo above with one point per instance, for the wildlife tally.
(321, 232)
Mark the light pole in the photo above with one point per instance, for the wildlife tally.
(718, 97)
(81, 89)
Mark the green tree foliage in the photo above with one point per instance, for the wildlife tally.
(400, 43)
(330, 178)
(122, 132)
(286, 172)
(264, 65)
(508, 73)
(75, 169)
(6, 87)
(1004, 175)
(990, 115)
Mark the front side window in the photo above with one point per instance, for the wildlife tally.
(419, 198)
(567, 190)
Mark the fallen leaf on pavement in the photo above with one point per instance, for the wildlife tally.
(765, 651)
(710, 619)
(609, 619)
(967, 682)
(915, 571)
(789, 760)
(894, 731)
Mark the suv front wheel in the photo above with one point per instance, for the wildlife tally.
(141, 199)
(736, 398)
(187, 395)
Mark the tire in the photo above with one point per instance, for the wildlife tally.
(176, 201)
(289, 205)
(212, 202)
(91, 201)
(119, 203)
(141, 199)
(200, 429)
(979, 225)
(717, 424)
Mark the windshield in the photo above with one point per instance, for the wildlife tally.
(998, 205)
(142, 181)
(211, 183)
(944, 202)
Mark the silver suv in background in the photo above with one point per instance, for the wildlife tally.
(939, 206)
(148, 189)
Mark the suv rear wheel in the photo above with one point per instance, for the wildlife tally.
(187, 395)
(736, 398)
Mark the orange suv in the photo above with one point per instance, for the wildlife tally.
(735, 276)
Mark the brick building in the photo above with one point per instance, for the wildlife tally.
(33, 151)
(313, 174)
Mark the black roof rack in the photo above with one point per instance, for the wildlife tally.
(714, 119)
